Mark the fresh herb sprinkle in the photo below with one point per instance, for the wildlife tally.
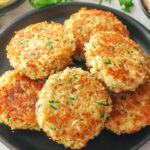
(53, 107)
(112, 87)
(102, 114)
(54, 102)
(71, 98)
(108, 62)
(48, 45)
(75, 77)
(102, 104)
(23, 42)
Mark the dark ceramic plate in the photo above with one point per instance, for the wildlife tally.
(144, 9)
(34, 140)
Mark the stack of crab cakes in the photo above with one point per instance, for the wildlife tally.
(72, 105)
(87, 22)
(124, 69)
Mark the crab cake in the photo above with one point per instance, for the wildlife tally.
(87, 22)
(41, 49)
(18, 95)
(117, 60)
(73, 107)
(131, 110)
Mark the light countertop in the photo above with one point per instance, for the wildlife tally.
(136, 13)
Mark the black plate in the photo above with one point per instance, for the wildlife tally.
(34, 140)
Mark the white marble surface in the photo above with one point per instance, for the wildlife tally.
(136, 13)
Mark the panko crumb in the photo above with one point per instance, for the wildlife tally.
(87, 22)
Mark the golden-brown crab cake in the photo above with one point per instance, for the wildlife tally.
(131, 110)
(87, 22)
(117, 61)
(73, 107)
(41, 49)
(18, 96)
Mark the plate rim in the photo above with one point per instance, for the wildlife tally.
(82, 4)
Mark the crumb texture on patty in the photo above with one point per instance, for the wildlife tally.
(73, 107)
(131, 110)
(41, 49)
(18, 96)
(87, 22)
(117, 61)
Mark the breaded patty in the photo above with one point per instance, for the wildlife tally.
(131, 110)
(87, 22)
(117, 60)
(41, 49)
(73, 107)
(18, 96)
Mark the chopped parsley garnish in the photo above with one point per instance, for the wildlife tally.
(59, 80)
(23, 42)
(75, 77)
(127, 5)
(8, 118)
(102, 104)
(102, 114)
(39, 106)
(128, 50)
(112, 87)
(31, 104)
(28, 124)
(108, 62)
(55, 129)
(53, 107)
(49, 45)
(71, 81)
(42, 29)
(94, 46)
(54, 102)
(71, 98)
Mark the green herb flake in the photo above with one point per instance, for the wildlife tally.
(23, 42)
(53, 107)
(71, 81)
(31, 104)
(108, 62)
(8, 118)
(27, 124)
(102, 104)
(128, 50)
(54, 102)
(102, 114)
(71, 98)
(42, 29)
(75, 77)
(59, 81)
(112, 87)
(55, 129)
(48, 45)
(94, 46)
(39, 106)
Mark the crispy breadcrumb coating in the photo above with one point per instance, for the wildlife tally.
(41, 49)
(73, 107)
